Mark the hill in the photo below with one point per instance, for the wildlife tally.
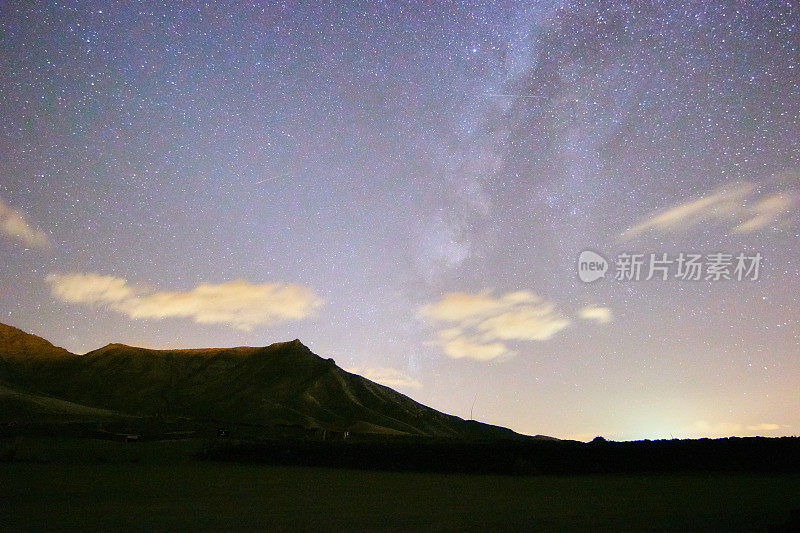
(16, 404)
(283, 385)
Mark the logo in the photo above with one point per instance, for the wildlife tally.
(591, 266)
(683, 267)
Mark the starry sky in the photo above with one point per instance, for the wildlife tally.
(406, 187)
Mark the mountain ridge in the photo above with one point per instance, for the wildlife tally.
(282, 384)
(13, 340)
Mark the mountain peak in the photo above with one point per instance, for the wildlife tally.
(115, 345)
(107, 347)
(16, 343)
(294, 344)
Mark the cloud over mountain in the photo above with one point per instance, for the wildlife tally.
(240, 303)
(476, 326)
(391, 377)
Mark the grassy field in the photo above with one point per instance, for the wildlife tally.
(156, 486)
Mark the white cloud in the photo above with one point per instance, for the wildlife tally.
(603, 315)
(475, 326)
(239, 303)
(525, 322)
(460, 306)
(741, 207)
(706, 429)
(468, 347)
(772, 209)
(89, 288)
(764, 427)
(702, 428)
(15, 226)
(391, 377)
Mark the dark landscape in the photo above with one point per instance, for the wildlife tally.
(299, 443)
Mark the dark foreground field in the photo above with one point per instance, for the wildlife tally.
(229, 496)
(75, 484)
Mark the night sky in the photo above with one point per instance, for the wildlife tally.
(406, 188)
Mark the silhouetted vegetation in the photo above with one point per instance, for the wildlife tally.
(755, 455)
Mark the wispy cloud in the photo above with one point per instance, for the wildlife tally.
(466, 346)
(477, 326)
(603, 315)
(89, 288)
(764, 427)
(240, 303)
(702, 428)
(391, 377)
(14, 225)
(770, 210)
(740, 207)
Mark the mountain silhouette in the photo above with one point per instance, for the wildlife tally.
(284, 384)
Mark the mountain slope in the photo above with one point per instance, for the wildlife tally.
(284, 383)
(17, 405)
(24, 354)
